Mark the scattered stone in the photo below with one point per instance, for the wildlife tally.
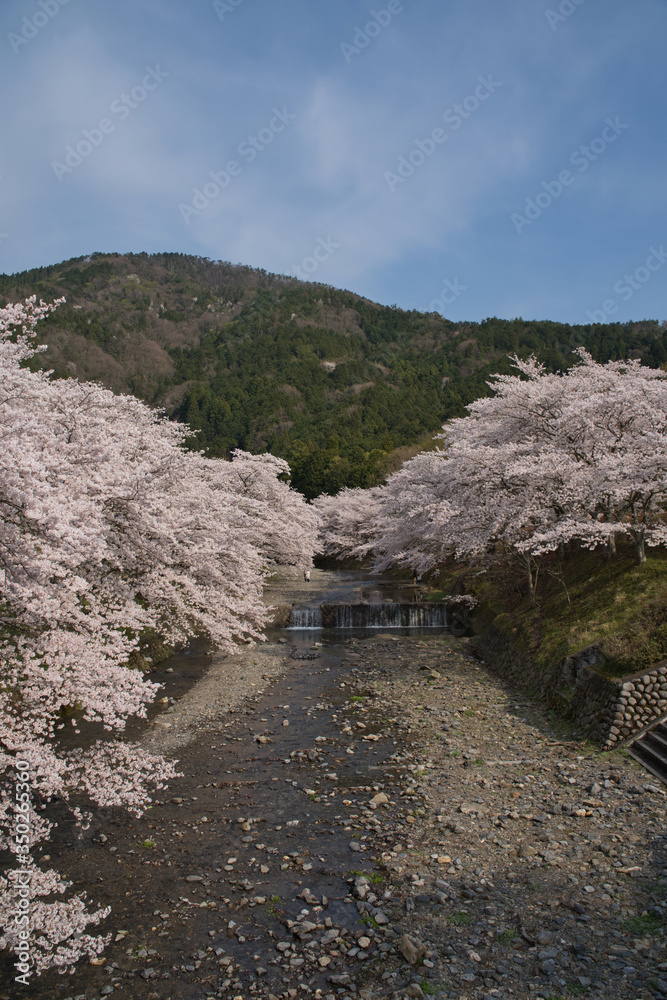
(380, 799)
(411, 949)
(414, 990)
(490, 903)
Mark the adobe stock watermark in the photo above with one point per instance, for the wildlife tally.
(455, 116)
(626, 286)
(324, 249)
(451, 291)
(122, 107)
(249, 149)
(222, 7)
(19, 878)
(565, 9)
(31, 26)
(380, 19)
(581, 158)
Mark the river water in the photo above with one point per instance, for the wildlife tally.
(266, 810)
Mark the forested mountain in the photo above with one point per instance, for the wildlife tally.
(336, 384)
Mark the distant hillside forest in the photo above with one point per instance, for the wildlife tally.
(341, 387)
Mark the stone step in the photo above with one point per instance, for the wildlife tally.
(656, 740)
(653, 758)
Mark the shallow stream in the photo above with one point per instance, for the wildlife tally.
(264, 825)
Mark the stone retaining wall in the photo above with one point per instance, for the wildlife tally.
(641, 703)
(279, 615)
(607, 710)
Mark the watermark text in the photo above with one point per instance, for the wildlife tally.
(629, 284)
(122, 107)
(581, 158)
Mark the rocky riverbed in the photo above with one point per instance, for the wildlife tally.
(379, 818)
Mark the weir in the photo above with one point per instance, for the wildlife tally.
(305, 618)
(385, 615)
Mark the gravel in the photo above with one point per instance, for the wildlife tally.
(417, 830)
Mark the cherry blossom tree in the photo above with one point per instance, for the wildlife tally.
(283, 527)
(349, 522)
(600, 433)
(547, 459)
(108, 527)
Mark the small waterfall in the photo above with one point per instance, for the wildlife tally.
(388, 615)
(305, 618)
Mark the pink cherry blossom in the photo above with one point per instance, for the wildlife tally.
(109, 527)
(547, 459)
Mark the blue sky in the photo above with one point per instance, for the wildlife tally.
(514, 150)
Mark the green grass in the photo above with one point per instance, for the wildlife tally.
(358, 697)
(430, 989)
(613, 755)
(506, 937)
(657, 889)
(615, 602)
(373, 877)
(648, 925)
(147, 844)
(271, 908)
(461, 919)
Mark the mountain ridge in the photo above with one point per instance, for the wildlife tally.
(340, 386)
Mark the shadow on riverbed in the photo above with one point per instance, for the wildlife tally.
(263, 827)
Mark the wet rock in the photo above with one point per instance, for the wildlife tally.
(307, 896)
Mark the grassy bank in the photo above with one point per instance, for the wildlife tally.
(581, 600)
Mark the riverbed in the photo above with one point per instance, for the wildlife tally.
(370, 813)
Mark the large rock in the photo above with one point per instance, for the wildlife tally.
(412, 949)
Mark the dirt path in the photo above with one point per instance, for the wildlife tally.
(369, 789)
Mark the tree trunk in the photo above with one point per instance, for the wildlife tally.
(611, 540)
(640, 551)
(531, 583)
